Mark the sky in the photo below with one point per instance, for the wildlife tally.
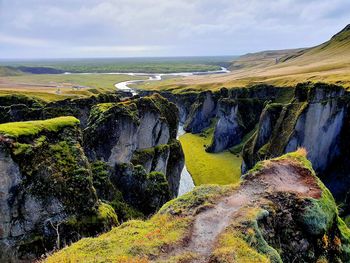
(134, 28)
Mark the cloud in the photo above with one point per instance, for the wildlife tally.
(23, 41)
(189, 27)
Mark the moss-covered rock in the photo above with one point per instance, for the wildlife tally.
(22, 108)
(141, 131)
(147, 192)
(46, 182)
(317, 111)
(281, 212)
(236, 118)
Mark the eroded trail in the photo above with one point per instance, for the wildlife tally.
(210, 223)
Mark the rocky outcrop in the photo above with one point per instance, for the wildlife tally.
(141, 131)
(147, 192)
(47, 198)
(281, 212)
(54, 191)
(22, 108)
(317, 119)
(183, 101)
(236, 117)
(313, 120)
(201, 113)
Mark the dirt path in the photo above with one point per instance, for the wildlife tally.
(210, 223)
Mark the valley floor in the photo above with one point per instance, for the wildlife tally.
(209, 168)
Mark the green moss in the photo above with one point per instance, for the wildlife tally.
(237, 149)
(134, 241)
(209, 168)
(33, 128)
(107, 215)
(22, 148)
(102, 107)
(107, 191)
(141, 157)
(243, 241)
(205, 195)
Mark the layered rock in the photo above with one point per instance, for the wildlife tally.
(47, 198)
(281, 212)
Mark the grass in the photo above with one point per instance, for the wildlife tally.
(209, 168)
(45, 86)
(33, 128)
(148, 65)
(134, 241)
(201, 196)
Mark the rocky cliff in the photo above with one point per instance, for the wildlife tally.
(47, 198)
(235, 118)
(59, 183)
(316, 119)
(281, 212)
(235, 111)
(141, 131)
(23, 108)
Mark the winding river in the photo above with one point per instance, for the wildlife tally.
(186, 182)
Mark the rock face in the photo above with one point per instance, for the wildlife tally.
(141, 131)
(236, 117)
(46, 188)
(314, 120)
(281, 212)
(201, 113)
(51, 187)
(317, 119)
(235, 111)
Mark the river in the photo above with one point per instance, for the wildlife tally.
(186, 182)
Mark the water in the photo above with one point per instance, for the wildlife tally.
(124, 86)
(186, 182)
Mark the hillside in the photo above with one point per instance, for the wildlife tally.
(281, 212)
(328, 62)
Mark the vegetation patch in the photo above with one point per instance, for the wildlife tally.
(33, 128)
(209, 168)
(134, 241)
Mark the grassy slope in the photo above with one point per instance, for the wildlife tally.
(137, 241)
(44, 86)
(209, 168)
(328, 62)
(32, 128)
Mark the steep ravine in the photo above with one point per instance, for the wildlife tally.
(186, 183)
(66, 178)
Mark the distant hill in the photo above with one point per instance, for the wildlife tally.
(334, 51)
(263, 58)
(333, 54)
